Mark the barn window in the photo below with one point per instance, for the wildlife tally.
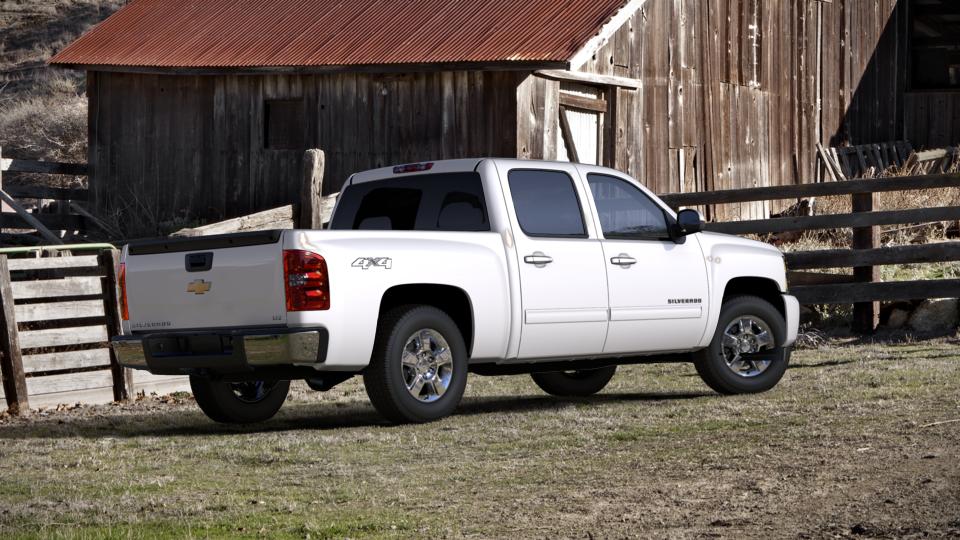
(934, 44)
(284, 126)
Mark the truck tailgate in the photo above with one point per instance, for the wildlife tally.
(208, 282)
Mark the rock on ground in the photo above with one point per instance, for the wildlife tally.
(935, 316)
(898, 318)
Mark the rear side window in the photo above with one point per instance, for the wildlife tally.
(432, 202)
(546, 203)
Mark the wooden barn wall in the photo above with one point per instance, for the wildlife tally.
(167, 150)
(932, 119)
(737, 93)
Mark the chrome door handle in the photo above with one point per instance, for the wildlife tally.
(538, 258)
(623, 260)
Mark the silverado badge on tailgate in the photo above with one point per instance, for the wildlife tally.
(199, 286)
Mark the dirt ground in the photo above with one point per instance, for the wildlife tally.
(858, 441)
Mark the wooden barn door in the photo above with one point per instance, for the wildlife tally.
(583, 115)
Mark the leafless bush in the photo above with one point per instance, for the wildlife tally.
(42, 110)
(49, 127)
(811, 338)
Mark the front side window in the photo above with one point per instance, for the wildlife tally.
(546, 203)
(626, 212)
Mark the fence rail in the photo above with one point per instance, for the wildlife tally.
(43, 167)
(863, 289)
(70, 216)
(799, 191)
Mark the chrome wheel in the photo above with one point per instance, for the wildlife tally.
(427, 365)
(742, 338)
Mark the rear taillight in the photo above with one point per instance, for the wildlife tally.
(122, 279)
(305, 280)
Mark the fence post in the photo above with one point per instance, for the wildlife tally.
(110, 264)
(311, 190)
(866, 315)
(11, 361)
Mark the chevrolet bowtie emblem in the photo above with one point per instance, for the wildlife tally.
(199, 286)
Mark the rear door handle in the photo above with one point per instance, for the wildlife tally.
(538, 258)
(623, 260)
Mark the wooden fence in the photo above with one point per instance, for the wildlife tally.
(863, 288)
(70, 216)
(57, 317)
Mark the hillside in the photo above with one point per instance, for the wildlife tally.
(43, 110)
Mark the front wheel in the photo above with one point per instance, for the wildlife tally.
(578, 383)
(746, 355)
(239, 403)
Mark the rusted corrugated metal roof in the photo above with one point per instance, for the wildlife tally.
(279, 33)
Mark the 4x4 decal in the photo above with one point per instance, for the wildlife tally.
(373, 262)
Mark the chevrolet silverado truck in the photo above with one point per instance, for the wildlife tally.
(430, 271)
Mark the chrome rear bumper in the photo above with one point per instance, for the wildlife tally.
(221, 352)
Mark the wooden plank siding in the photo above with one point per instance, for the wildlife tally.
(167, 151)
(715, 94)
(749, 88)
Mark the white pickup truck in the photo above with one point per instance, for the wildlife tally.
(431, 271)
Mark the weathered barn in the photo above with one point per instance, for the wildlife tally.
(203, 109)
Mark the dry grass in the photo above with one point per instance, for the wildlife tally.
(43, 110)
(838, 449)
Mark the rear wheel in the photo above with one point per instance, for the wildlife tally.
(239, 403)
(745, 355)
(584, 382)
(419, 367)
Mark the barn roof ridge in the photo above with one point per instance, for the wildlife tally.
(335, 35)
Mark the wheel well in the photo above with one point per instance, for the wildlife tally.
(451, 300)
(755, 286)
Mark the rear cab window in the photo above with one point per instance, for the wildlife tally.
(429, 202)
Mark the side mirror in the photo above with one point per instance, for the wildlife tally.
(689, 221)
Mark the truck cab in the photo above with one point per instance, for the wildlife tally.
(434, 270)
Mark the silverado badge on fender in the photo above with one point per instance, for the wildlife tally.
(199, 286)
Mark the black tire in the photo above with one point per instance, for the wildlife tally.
(239, 403)
(385, 379)
(579, 383)
(711, 363)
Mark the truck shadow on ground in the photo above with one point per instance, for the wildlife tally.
(187, 420)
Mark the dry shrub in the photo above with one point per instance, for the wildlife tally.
(890, 200)
(43, 110)
(51, 125)
(811, 338)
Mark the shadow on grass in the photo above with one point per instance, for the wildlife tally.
(828, 363)
(896, 338)
(187, 422)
